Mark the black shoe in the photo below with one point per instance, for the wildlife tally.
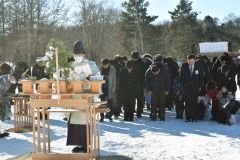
(153, 118)
(139, 116)
(162, 119)
(5, 134)
(187, 120)
(77, 150)
(131, 119)
(148, 106)
(125, 119)
(65, 119)
(110, 119)
(101, 120)
(1, 135)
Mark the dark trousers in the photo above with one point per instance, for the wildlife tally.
(201, 109)
(109, 105)
(128, 106)
(140, 102)
(179, 108)
(158, 101)
(215, 109)
(77, 135)
(169, 101)
(191, 105)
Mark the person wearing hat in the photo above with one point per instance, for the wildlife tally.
(6, 80)
(77, 120)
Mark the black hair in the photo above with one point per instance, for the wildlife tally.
(135, 55)
(129, 64)
(147, 55)
(155, 68)
(5, 69)
(158, 57)
(105, 61)
(191, 56)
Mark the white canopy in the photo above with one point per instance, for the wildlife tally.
(213, 47)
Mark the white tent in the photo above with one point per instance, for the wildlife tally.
(213, 47)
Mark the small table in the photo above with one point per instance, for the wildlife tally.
(22, 114)
(42, 139)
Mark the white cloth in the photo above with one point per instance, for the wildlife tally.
(80, 117)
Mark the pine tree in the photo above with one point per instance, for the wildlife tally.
(184, 28)
(135, 22)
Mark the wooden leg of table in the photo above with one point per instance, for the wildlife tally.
(21, 114)
(30, 115)
(95, 132)
(18, 113)
(39, 129)
(25, 113)
(98, 135)
(15, 112)
(49, 147)
(87, 130)
(44, 130)
(91, 132)
(34, 133)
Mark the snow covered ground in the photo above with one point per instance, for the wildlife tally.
(143, 139)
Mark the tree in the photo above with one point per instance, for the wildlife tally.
(135, 21)
(209, 29)
(95, 20)
(26, 27)
(184, 29)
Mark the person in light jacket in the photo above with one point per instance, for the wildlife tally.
(109, 73)
(77, 120)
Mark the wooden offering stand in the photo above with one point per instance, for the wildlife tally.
(22, 114)
(84, 102)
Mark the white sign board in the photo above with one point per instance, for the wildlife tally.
(213, 47)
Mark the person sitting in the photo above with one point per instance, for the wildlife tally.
(212, 92)
(224, 98)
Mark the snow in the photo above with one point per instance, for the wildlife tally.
(142, 139)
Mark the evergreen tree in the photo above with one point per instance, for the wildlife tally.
(135, 23)
(184, 28)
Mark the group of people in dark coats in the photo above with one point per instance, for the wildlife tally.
(158, 83)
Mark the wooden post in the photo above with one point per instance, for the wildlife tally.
(98, 135)
(94, 131)
(91, 127)
(57, 70)
(39, 131)
(87, 128)
(15, 109)
(44, 130)
(49, 132)
(34, 133)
